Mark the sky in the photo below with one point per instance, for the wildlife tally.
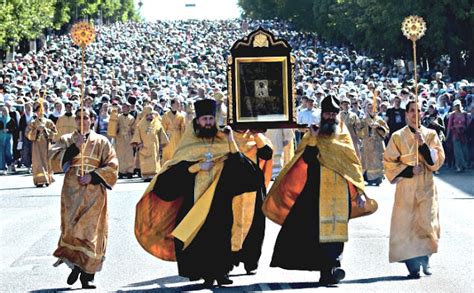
(176, 9)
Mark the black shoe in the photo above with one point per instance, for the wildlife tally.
(39, 185)
(120, 176)
(86, 281)
(338, 275)
(250, 269)
(72, 278)
(332, 277)
(208, 283)
(224, 280)
(129, 175)
(413, 276)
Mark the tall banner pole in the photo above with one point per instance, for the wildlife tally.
(83, 34)
(413, 28)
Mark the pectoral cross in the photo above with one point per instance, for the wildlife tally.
(208, 156)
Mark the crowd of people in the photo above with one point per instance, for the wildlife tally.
(163, 64)
(153, 95)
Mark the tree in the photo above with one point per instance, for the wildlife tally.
(24, 19)
(374, 26)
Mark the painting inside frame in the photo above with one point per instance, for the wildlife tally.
(261, 89)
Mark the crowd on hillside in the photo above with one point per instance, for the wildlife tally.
(153, 64)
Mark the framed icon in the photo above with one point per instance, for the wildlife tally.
(260, 83)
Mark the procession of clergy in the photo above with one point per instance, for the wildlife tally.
(193, 212)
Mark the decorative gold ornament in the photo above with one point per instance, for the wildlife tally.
(83, 34)
(260, 40)
(413, 27)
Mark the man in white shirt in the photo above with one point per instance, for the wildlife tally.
(310, 115)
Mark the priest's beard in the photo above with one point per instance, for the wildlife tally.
(328, 126)
(208, 131)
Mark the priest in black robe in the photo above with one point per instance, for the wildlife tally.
(186, 212)
(311, 199)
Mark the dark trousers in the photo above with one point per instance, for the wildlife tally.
(414, 264)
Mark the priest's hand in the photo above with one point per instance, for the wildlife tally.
(80, 140)
(228, 133)
(206, 166)
(86, 179)
(314, 129)
(419, 138)
(417, 169)
(360, 201)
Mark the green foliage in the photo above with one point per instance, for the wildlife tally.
(27, 19)
(24, 19)
(375, 25)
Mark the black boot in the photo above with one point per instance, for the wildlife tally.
(224, 280)
(250, 268)
(86, 281)
(332, 276)
(72, 278)
(208, 283)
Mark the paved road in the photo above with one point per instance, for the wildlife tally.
(29, 230)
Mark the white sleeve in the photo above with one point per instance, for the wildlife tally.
(434, 155)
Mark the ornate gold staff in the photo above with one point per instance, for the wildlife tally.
(83, 34)
(414, 27)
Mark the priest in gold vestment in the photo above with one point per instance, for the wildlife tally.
(148, 138)
(372, 131)
(41, 131)
(67, 122)
(84, 227)
(186, 211)
(312, 197)
(174, 123)
(414, 229)
(123, 136)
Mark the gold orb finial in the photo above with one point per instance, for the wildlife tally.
(413, 27)
(83, 34)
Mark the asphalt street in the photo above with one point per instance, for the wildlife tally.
(30, 227)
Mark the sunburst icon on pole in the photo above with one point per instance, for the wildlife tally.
(83, 34)
(413, 27)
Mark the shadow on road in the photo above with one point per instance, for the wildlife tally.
(52, 290)
(375, 280)
(166, 281)
(160, 281)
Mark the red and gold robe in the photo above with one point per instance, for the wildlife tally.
(84, 227)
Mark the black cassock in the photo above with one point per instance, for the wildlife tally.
(209, 255)
(297, 246)
(252, 246)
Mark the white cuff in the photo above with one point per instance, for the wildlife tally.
(434, 155)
